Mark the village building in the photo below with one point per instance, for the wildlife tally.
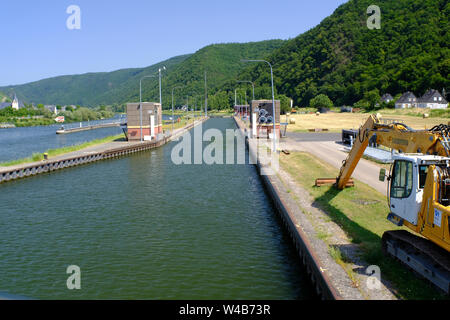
(432, 99)
(407, 100)
(386, 98)
(51, 108)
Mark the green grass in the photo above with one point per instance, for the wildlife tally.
(361, 212)
(60, 151)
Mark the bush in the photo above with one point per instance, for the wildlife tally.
(321, 101)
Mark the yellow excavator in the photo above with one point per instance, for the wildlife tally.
(418, 194)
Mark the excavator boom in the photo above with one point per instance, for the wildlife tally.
(418, 194)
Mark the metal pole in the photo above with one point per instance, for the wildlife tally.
(206, 97)
(140, 104)
(172, 110)
(160, 95)
(273, 100)
(140, 100)
(253, 87)
(273, 110)
(173, 115)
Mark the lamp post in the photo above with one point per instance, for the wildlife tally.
(273, 101)
(253, 86)
(173, 117)
(160, 96)
(140, 100)
(206, 97)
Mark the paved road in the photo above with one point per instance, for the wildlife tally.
(332, 153)
(310, 136)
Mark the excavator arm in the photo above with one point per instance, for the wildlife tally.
(395, 136)
(426, 210)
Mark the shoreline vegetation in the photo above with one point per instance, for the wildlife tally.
(167, 125)
(40, 116)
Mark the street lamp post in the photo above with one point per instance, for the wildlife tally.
(206, 97)
(253, 86)
(160, 96)
(273, 102)
(140, 100)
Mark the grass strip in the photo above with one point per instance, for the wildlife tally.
(60, 151)
(361, 212)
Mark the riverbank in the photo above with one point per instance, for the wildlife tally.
(144, 227)
(351, 223)
(335, 233)
(330, 282)
(62, 151)
(7, 125)
(99, 151)
(343, 229)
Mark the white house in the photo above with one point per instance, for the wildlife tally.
(52, 108)
(432, 99)
(15, 103)
(407, 100)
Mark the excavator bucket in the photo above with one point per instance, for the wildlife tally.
(327, 181)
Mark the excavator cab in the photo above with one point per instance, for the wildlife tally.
(407, 180)
(405, 190)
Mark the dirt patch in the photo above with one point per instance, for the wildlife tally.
(346, 253)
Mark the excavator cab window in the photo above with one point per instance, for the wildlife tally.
(423, 171)
(402, 182)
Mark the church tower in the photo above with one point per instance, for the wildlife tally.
(15, 103)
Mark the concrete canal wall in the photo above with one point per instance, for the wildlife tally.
(316, 268)
(93, 127)
(97, 153)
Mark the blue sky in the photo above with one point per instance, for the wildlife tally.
(118, 34)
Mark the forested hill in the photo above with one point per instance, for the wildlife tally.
(220, 61)
(83, 89)
(344, 59)
(4, 98)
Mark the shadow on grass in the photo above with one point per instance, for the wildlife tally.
(407, 285)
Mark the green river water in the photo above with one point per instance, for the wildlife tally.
(141, 227)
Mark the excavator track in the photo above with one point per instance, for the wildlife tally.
(421, 255)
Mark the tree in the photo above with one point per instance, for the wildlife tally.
(321, 101)
(372, 98)
(285, 103)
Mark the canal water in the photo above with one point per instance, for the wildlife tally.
(18, 143)
(22, 142)
(141, 227)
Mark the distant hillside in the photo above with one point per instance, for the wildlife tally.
(4, 98)
(343, 59)
(82, 89)
(221, 61)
